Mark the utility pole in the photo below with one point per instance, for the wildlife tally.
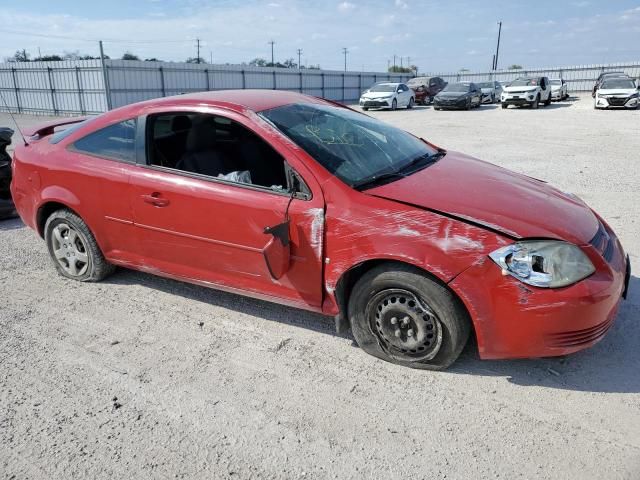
(345, 51)
(271, 42)
(394, 62)
(401, 66)
(197, 50)
(388, 64)
(299, 56)
(495, 62)
(211, 57)
(105, 77)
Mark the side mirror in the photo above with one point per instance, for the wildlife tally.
(277, 252)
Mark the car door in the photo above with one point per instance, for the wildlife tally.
(207, 229)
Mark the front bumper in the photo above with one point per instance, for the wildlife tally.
(617, 102)
(450, 104)
(518, 98)
(374, 103)
(556, 95)
(515, 320)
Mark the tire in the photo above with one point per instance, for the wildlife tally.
(410, 105)
(425, 101)
(394, 306)
(468, 105)
(394, 104)
(73, 248)
(366, 109)
(536, 103)
(548, 101)
(504, 105)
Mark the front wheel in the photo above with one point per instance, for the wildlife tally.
(536, 103)
(410, 105)
(401, 315)
(548, 101)
(394, 104)
(73, 248)
(504, 105)
(366, 109)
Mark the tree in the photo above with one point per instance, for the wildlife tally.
(48, 58)
(289, 63)
(196, 60)
(21, 56)
(153, 59)
(399, 69)
(515, 67)
(463, 70)
(130, 56)
(258, 62)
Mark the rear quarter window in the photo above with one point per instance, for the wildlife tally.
(116, 142)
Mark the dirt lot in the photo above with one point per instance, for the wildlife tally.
(143, 377)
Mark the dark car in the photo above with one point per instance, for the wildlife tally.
(459, 96)
(603, 77)
(7, 208)
(426, 88)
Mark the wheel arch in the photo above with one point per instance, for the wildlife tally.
(348, 279)
(46, 209)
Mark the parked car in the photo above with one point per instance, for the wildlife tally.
(527, 91)
(605, 75)
(426, 88)
(458, 96)
(7, 209)
(617, 92)
(387, 95)
(558, 89)
(301, 201)
(491, 91)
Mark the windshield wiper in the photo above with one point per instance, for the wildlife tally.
(377, 180)
(426, 159)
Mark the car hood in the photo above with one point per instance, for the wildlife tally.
(520, 89)
(451, 94)
(617, 91)
(373, 95)
(495, 198)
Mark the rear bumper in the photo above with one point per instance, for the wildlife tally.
(515, 320)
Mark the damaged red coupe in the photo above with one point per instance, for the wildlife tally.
(300, 201)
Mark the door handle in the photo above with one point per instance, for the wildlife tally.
(155, 199)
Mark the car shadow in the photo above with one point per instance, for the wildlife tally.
(13, 223)
(610, 366)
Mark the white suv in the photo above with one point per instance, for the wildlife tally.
(527, 91)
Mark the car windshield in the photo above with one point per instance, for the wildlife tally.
(456, 87)
(358, 149)
(556, 82)
(524, 82)
(486, 85)
(624, 83)
(384, 87)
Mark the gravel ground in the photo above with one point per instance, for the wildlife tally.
(141, 377)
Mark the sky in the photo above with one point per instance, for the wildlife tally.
(443, 36)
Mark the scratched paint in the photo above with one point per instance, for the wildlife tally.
(317, 228)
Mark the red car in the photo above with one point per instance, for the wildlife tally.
(300, 201)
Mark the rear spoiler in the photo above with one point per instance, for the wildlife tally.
(44, 129)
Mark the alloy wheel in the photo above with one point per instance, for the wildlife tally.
(69, 250)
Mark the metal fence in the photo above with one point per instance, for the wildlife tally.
(85, 86)
(578, 78)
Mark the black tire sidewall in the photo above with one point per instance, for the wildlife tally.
(53, 222)
(453, 317)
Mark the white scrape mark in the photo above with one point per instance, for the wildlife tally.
(408, 232)
(317, 227)
(457, 242)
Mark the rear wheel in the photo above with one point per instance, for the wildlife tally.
(400, 315)
(73, 248)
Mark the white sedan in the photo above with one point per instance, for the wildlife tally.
(617, 92)
(558, 89)
(387, 95)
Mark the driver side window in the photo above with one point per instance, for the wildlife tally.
(213, 146)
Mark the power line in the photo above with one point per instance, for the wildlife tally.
(78, 39)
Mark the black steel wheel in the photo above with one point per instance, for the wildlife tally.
(402, 315)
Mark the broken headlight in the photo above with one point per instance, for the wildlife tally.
(544, 263)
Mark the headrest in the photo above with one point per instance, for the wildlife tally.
(202, 135)
(180, 123)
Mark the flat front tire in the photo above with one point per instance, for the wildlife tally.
(73, 248)
(401, 315)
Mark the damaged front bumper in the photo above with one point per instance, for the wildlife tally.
(515, 320)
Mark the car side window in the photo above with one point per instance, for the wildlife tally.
(116, 142)
(213, 146)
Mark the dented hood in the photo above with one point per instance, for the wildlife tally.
(494, 197)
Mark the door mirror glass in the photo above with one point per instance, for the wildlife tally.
(277, 252)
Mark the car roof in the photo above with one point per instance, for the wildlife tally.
(255, 100)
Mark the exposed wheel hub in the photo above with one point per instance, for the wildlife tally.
(406, 327)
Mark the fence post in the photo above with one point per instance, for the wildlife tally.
(275, 85)
(300, 80)
(322, 84)
(79, 85)
(162, 81)
(206, 72)
(15, 87)
(52, 90)
(244, 79)
(343, 92)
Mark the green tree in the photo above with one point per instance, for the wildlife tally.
(130, 56)
(21, 56)
(515, 66)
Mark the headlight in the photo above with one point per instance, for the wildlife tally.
(634, 95)
(544, 263)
